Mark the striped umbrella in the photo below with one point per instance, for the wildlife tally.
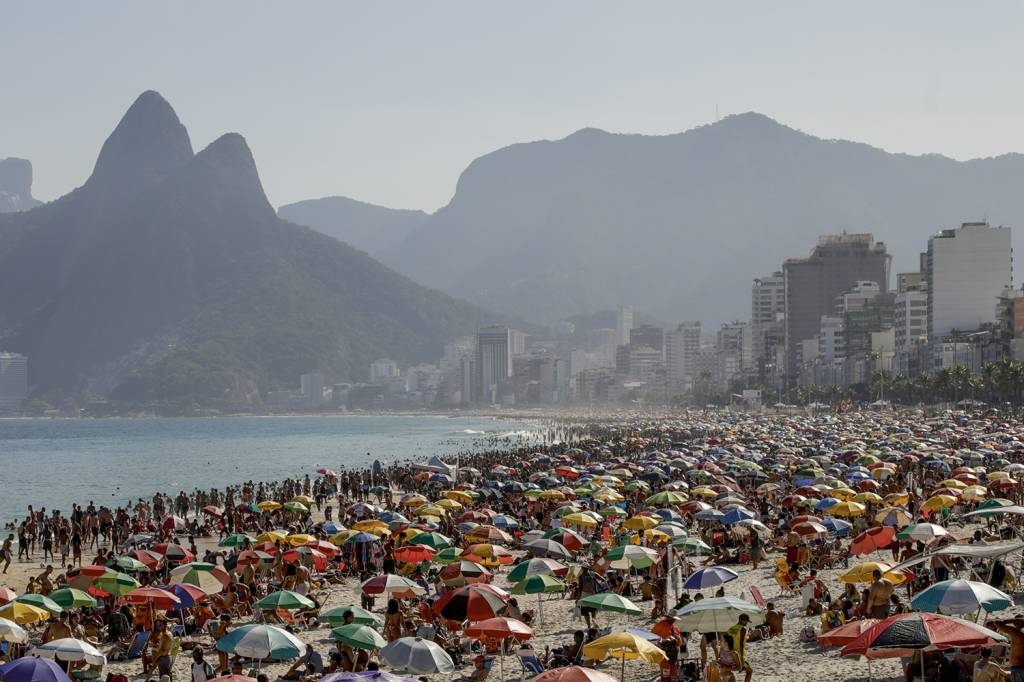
(536, 566)
(717, 615)
(359, 636)
(261, 641)
(464, 572)
(285, 600)
(160, 599)
(210, 577)
(610, 601)
(392, 585)
(336, 616)
(961, 596)
(472, 603)
(709, 577)
(904, 633)
(70, 649)
(70, 598)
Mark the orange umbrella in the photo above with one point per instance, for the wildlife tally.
(872, 539)
(160, 599)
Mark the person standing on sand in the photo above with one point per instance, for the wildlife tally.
(877, 603)
(5, 552)
(1012, 630)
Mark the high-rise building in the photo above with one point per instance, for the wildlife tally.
(682, 351)
(648, 336)
(967, 269)
(312, 389)
(13, 381)
(623, 324)
(767, 313)
(493, 361)
(517, 341)
(835, 265)
(382, 370)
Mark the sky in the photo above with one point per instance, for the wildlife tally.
(388, 102)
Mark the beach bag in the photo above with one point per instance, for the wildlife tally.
(807, 634)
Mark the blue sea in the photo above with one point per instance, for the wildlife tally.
(53, 462)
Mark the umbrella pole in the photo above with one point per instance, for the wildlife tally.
(622, 675)
(501, 661)
(869, 670)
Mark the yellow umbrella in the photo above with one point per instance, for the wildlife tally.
(847, 509)
(864, 573)
(268, 505)
(897, 499)
(300, 539)
(624, 646)
(448, 503)
(340, 538)
(975, 493)
(864, 498)
(768, 488)
(952, 483)
(430, 510)
(413, 501)
(579, 519)
(458, 496)
(901, 516)
(657, 536)
(640, 523)
(938, 502)
(304, 499)
(374, 526)
(274, 536)
(703, 491)
(552, 495)
(24, 614)
(841, 493)
(607, 495)
(995, 475)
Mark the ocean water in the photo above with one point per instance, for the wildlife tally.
(52, 463)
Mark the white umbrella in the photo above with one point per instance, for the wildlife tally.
(262, 641)
(70, 649)
(717, 615)
(12, 632)
(417, 655)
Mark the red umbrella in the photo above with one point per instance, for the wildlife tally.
(295, 555)
(872, 539)
(323, 547)
(172, 522)
(174, 553)
(413, 554)
(213, 511)
(472, 602)
(846, 633)
(792, 500)
(473, 515)
(500, 628)
(868, 485)
(808, 528)
(804, 517)
(570, 540)
(902, 634)
(464, 573)
(251, 556)
(151, 559)
(694, 506)
(574, 673)
(7, 594)
(160, 599)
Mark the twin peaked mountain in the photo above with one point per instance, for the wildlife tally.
(168, 276)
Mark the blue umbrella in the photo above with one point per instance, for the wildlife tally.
(826, 503)
(709, 577)
(669, 514)
(362, 538)
(181, 593)
(736, 515)
(708, 515)
(961, 596)
(505, 522)
(331, 528)
(31, 669)
(837, 526)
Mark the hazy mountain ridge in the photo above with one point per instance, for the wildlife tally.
(169, 276)
(681, 223)
(365, 226)
(16, 185)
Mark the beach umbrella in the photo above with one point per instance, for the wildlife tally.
(536, 566)
(172, 522)
(268, 505)
(462, 572)
(32, 669)
(159, 599)
(846, 633)
(253, 556)
(117, 584)
(902, 634)
(871, 540)
(297, 507)
(70, 649)
(488, 533)
(23, 614)
(709, 515)
(12, 632)
(285, 600)
(433, 540)
(894, 516)
(580, 519)
(128, 563)
(300, 539)
(960, 596)
(189, 595)
(547, 548)
(624, 646)
(42, 602)
(735, 515)
(500, 629)
(539, 584)
(7, 595)
(418, 656)
(569, 539)
(610, 601)
(864, 573)
(393, 586)
(847, 509)
(691, 545)
(336, 616)
(365, 676)
(210, 577)
(70, 598)
(472, 602)
(631, 556)
(447, 555)
(938, 502)
(573, 673)
(717, 615)
(493, 553)
(709, 577)
(808, 528)
(272, 536)
(413, 554)
(261, 641)
(173, 552)
(922, 532)
(359, 636)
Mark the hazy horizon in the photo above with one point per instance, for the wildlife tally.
(389, 104)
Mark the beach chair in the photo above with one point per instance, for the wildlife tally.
(758, 599)
(138, 644)
(528, 659)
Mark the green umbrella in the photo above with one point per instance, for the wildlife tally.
(336, 616)
(70, 598)
(448, 555)
(434, 540)
(359, 636)
(380, 490)
(529, 567)
(117, 584)
(538, 584)
(631, 556)
(131, 564)
(237, 540)
(296, 507)
(665, 497)
(45, 603)
(285, 599)
(610, 601)
(994, 503)
(691, 545)
(637, 485)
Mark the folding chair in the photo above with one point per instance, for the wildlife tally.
(138, 644)
(528, 659)
(758, 599)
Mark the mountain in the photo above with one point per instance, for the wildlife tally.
(168, 276)
(680, 224)
(365, 226)
(16, 185)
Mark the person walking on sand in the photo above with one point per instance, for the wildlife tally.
(5, 552)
